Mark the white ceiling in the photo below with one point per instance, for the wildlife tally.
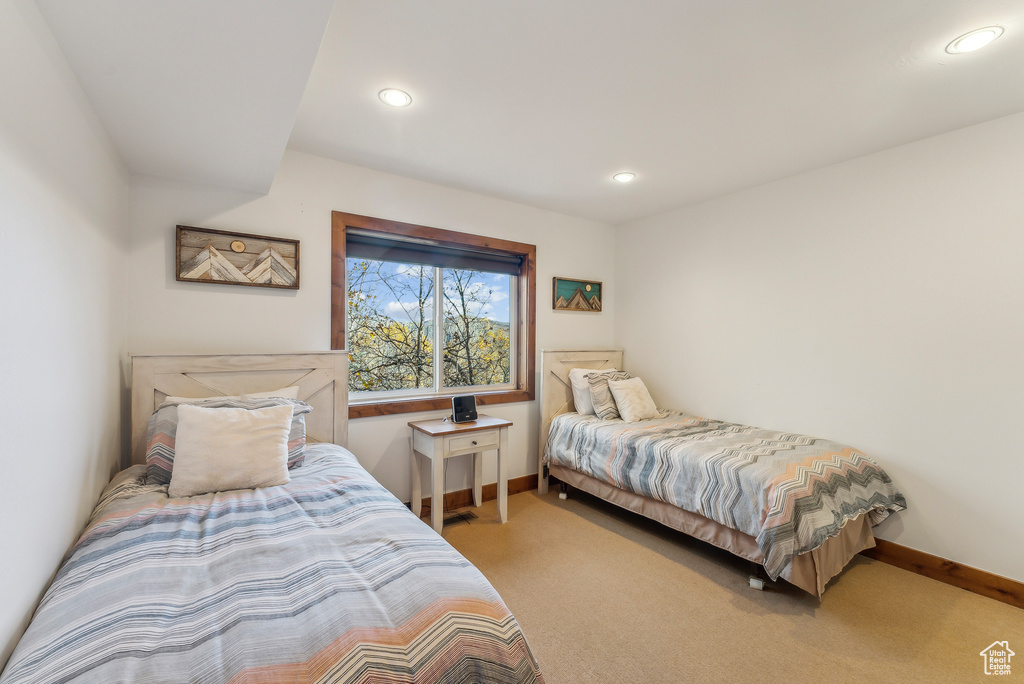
(537, 101)
(199, 90)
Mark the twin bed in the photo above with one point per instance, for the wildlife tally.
(324, 578)
(799, 506)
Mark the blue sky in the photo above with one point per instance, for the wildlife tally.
(493, 288)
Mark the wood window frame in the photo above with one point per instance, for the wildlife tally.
(526, 363)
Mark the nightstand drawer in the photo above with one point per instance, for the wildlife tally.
(476, 441)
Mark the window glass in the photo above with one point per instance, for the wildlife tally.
(390, 325)
(477, 339)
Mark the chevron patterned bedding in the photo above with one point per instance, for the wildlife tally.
(790, 492)
(326, 579)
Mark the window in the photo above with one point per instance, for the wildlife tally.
(427, 313)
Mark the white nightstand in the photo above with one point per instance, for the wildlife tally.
(440, 439)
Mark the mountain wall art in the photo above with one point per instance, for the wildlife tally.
(575, 295)
(217, 256)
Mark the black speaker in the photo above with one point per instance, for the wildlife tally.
(464, 409)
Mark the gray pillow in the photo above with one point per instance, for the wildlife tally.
(604, 402)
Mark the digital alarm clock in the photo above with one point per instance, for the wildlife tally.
(463, 409)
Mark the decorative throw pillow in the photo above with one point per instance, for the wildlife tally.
(163, 425)
(604, 402)
(581, 389)
(633, 400)
(220, 449)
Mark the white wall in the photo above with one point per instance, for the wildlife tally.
(63, 201)
(878, 302)
(166, 316)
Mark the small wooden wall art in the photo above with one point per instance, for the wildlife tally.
(576, 295)
(217, 256)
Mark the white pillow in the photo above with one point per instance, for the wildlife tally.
(219, 449)
(581, 389)
(283, 393)
(633, 400)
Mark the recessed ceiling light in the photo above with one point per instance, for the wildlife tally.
(395, 97)
(624, 176)
(975, 40)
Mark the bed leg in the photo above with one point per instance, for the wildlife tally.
(563, 491)
(756, 579)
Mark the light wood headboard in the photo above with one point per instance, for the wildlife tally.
(556, 392)
(322, 378)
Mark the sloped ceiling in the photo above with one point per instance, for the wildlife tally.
(537, 101)
(198, 90)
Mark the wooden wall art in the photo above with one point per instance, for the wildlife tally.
(217, 256)
(575, 295)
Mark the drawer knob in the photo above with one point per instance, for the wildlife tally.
(474, 442)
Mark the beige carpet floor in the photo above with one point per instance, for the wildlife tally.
(606, 596)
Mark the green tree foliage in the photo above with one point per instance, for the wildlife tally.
(393, 349)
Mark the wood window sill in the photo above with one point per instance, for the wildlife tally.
(396, 406)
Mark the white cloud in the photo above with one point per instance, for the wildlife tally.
(482, 310)
(484, 292)
(485, 301)
(406, 310)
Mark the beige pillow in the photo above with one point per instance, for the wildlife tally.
(219, 449)
(633, 400)
(283, 393)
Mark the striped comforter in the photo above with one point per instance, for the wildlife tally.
(326, 579)
(790, 492)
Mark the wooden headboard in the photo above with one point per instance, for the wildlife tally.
(556, 392)
(322, 378)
